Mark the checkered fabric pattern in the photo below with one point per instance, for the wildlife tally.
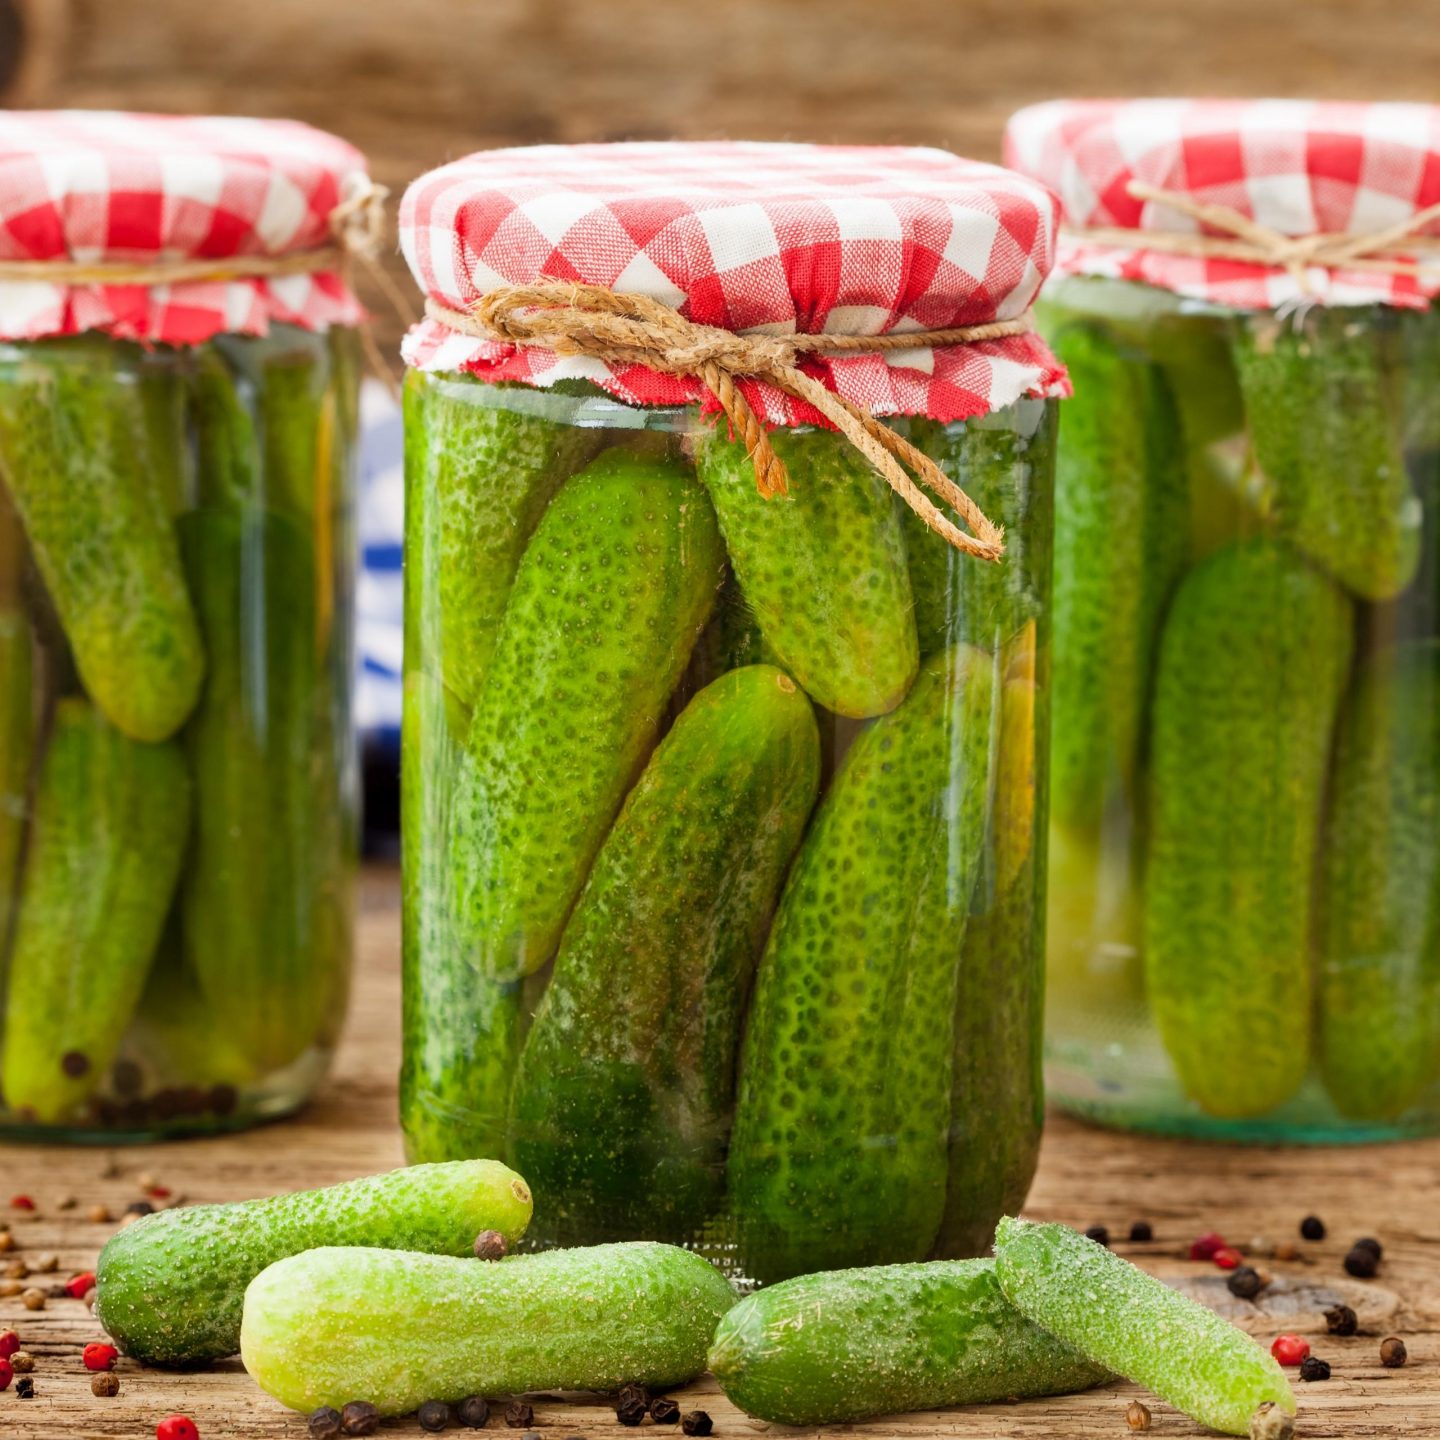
(1298, 167)
(91, 186)
(756, 238)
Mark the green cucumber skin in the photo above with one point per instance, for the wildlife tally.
(610, 597)
(851, 1344)
(1137, 1326)
(489, 474)
(17, 748)
(170, 1288)
(1006, 472)
(328, 1325)
(823, 569)
(1243, 718)
(266, 897)
(1121, 534)
(622, 1101)
(73, 454)
(109, 826)
(839, 1151)
(1379, 1027)
(1321, 415)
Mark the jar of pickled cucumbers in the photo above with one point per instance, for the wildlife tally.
(1245, 794)
(178, 380)
(723, 746)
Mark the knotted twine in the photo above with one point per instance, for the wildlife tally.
(1256, 244)
(571, 318)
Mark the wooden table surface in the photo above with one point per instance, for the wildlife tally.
(1087, 1176)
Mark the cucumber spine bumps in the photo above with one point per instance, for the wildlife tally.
(170, 1288)
(1254, 655)
(612, 593)
(325, 1326)
(624, 1091)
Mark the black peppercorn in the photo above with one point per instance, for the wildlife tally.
(24, 1388)
(1361, 1262)
(359, 1417)
(665, 1411)
(490, 1245)
(1312, 1227)
(1393, 1353)
(1312, 1367)
(474, 1411)
(1099, 1234)
(433, 1415)
(105, 1385)
(519, 1414)
(324, 1423)
(1245, 1282)
(140, 1207)
(633, 1392)
(1141, 1232)
(1370, 1243)
(631, 1411)
(1341, 1320)
(75, 1063)
(697, 1422)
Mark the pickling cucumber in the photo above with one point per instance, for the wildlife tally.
(170, 1288)
(1121, 512)
(623, 1096)
(17, 743)
(1379, 1016)
(823, 569)
(849, 1344)
(839, 1151)
(1137, 1326)
(611, 594)
(73, 454)
(1254, 655)
(329, 1326)
(108, 835)
(1324, 430)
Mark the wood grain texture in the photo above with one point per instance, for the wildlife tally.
(1086, 1177)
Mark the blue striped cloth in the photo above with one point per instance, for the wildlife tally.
(379, 637)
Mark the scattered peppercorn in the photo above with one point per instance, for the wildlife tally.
(1290, 1349)
(1393, 1353)
(1286, 1251)
(68, 1203)
(7, 1374)
(1141, 1232)
(47, 1264)
(16, 1270)
(145, 1180)
(1099, 1234)
(324, 1423)
(99, 1356)
(665, 1411)
(631, 1411)
(1369, 1242)
(9, 1343)
(90, 1298)
(98, 1215)
(78, 1285)
(139, 1207)
(1270, 1422)
(177, 1427)
(1312, 1367)
(633, 1392)
(519, 1414)
(1362, 1263)
(1341, 1320)
(33, 1299)
(434, 1415)
(1312, 1227)
(1137, 1416)
(359, 1417)
(25, 1388)
(697, 1422)
(1228, 1258)
(105, 1384)
(1244, 1282)
(21, 1202)
(22, 1362)
(9, 1289)
(57, 1292)
(1206, 1245)
(491, 1245)
(473, 1411)
(7, 1241)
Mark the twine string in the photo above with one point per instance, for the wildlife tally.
(571, 318)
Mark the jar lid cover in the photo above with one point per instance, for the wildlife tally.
(1348, 185)
(771, 239)
(110, 192)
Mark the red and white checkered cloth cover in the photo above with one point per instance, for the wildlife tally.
(756, 238)
(91, 186)
(1296, 166)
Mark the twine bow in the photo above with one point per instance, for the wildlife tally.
(1256, 244)
(570, 318)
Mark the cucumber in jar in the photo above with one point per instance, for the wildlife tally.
(623, 1096)
(17, 711)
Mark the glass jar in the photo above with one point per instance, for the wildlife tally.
(1245, 801)
(723, 883)
(177, 816)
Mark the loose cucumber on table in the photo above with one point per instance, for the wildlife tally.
(623, 1095)
(611, 594)
(74, 457)
(170, 1288)
(1379, 1001)
(839, 1151)
(110, 820)
(823, 569)
(1252, 662)
(850, 1344)
(332, 1326)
